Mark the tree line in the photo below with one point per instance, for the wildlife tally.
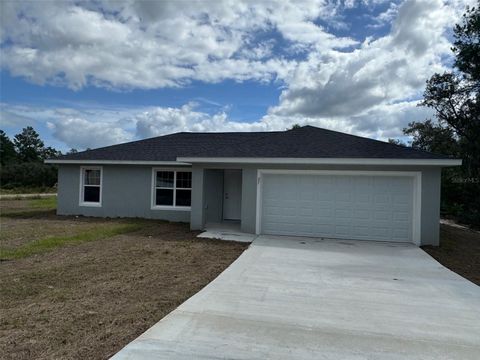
(455, 130)
(22, 161)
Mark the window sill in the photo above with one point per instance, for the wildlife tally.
(90, 204)
(174, 208)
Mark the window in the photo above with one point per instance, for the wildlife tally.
(172, 189)
(90, 186)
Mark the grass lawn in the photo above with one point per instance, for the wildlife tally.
(28, 190)
(82, 288)
(459, 251)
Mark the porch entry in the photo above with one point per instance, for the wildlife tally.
(232, 194)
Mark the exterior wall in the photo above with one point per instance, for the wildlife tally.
(431, 185)
(249, 200)
(126, 192)
(213, 195)
(430, 193)
(197, 216)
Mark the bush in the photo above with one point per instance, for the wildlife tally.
(30, 174)
(461, 198)
(471, 218)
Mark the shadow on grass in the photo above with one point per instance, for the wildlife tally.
(27, 214)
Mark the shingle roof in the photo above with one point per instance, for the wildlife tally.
(303, 142)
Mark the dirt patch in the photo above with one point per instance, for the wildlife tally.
(8, 206)
(87, 301)
(459, 251)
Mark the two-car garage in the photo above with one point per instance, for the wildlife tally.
(369, 205)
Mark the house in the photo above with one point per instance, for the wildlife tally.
(306, 182)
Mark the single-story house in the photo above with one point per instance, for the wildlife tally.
(306, 181)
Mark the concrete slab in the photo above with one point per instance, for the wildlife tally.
(300, 298)
(229, 231)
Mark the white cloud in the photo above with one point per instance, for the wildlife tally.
(369, 89)
(98, 127)
(73, 127)
(82, 133)
(342, 87)
(155, 44)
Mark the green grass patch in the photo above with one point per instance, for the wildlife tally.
(30, 207)
(49, 243)
(44, 203)
(27, 214)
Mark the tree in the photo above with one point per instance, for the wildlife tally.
(27, 168)
(455, 95)
(295, 126)
(466, 44)
(396, 142)
(455, 98)
(29, 146)
(49, 153)
(7, 149)
(433, 137)
(72, 151)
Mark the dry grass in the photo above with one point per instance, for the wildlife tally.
(27, 223)
(86, 300)
(459, 251)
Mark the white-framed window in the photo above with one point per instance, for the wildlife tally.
(91, 185)
(171, 189)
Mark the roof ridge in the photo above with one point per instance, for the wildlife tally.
(408, 148)
(306, 141)
(230, 132)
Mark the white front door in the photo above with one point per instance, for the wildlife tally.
(232, 194)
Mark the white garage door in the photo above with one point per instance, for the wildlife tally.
(338, 206)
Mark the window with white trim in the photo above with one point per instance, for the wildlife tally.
(172, 188)
(91, 186)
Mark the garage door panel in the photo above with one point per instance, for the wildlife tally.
(325, 195)
(401, 216)
(363, 231)
(361, 215)
(306, 212)
(400, 233)
(326, 229)
(342, 206)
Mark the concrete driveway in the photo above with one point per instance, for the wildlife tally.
(298, 298)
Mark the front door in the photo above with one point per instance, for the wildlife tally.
(232, 194)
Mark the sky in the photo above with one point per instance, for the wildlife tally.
(87, 74)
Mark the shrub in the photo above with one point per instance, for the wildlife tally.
(30, 174)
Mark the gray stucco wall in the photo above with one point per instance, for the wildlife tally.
(430, 195)
(249, 200)
(431, 186)
(126, 192)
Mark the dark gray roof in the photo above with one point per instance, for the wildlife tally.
(303, 142)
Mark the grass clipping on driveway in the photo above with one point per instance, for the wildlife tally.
(48, 243)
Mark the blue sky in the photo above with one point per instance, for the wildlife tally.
(91, 74)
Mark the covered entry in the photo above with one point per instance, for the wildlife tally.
(336, 204)
(223, 195)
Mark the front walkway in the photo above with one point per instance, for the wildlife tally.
(227, 230)
(297, 298)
